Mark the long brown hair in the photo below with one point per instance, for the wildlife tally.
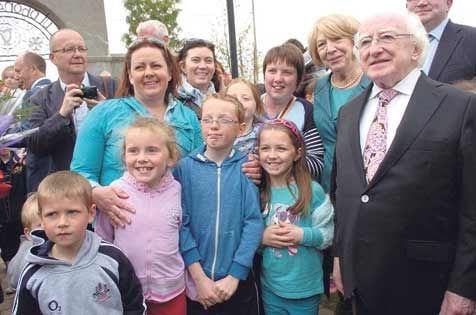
(127, 89)
(299, 172)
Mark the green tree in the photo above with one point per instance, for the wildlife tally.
(165, 11)
(247, 68)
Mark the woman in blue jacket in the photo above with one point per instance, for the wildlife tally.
(331, 45)
(148, 88)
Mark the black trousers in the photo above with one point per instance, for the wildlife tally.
(243, 302)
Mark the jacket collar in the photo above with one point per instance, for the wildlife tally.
(164, 183)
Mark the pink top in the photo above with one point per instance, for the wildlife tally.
(151, 241)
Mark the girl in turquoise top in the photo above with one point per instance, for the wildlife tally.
(299, 224)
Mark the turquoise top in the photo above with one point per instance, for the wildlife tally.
(327, 103)
(98, 151)
(296, 272)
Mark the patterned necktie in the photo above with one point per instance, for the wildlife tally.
(376, 143)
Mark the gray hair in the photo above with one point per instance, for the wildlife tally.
(160, 30)
(413, 26)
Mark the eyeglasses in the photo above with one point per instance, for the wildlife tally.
(382, 38)
(71, 50)
(220, 121)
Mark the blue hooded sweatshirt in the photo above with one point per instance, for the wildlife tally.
(222, 225)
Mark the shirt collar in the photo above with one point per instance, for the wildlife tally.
(34, 83)
(438, 31)
(405, 86)
(85, 82)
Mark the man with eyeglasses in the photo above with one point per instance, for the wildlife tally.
(452, 53)
(403, 183)
(60, 107)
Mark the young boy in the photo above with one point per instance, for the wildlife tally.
(71, 270)
(222, 223)
(30, 219)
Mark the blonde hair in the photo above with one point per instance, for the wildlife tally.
(254, 92)
(240, 110)
(30, 211)
(333, 27)
(64, 185)
(159, 128)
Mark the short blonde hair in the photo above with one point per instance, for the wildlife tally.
(240, 110)
(333, 27)
(64, 185)
(30, 211)
(159, 128)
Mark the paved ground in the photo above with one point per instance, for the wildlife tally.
(6, 306)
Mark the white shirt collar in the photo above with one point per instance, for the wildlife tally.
(34, 83)
(405, 86)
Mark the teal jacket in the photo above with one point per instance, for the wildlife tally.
(326, 121)
(98, 151)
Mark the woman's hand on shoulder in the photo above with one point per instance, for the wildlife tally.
(112, 202)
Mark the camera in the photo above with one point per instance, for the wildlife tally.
(90, 92)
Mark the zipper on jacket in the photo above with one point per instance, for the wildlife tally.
(217, 223)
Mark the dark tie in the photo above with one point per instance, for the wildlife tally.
(376, 143)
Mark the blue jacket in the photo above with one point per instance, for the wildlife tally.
(326, 121)
(98, 150)
(221, 224)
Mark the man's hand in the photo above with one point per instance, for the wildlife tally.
(226, 287)
(252, 169)
(72, 99)
(111, 201)
(93, 102)
(454, 304)
(336, 275)
(277, 237)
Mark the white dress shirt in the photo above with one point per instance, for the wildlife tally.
(395, 109)
(79, 113)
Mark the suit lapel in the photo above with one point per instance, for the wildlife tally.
(423, 103)
(57, 96)
(448, 42)
(354, 130)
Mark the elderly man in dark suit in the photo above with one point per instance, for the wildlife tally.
(404, 182)
(452, 53)
(61, 107)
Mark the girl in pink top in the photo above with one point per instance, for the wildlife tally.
(151, 241)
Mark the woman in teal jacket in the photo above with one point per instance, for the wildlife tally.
(331, 45)
(148, 88)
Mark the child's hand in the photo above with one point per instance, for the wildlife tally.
(207, 295)
(226, 287)
(294, 232)
(277, 237)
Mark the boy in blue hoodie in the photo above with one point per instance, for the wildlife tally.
(222, 225)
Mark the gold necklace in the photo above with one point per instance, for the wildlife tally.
(348, 84)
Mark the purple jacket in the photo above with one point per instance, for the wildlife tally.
(151, 241)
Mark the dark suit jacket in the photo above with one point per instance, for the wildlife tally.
(40, 84)
(455, 57)
(55, 137)
(410, 234)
